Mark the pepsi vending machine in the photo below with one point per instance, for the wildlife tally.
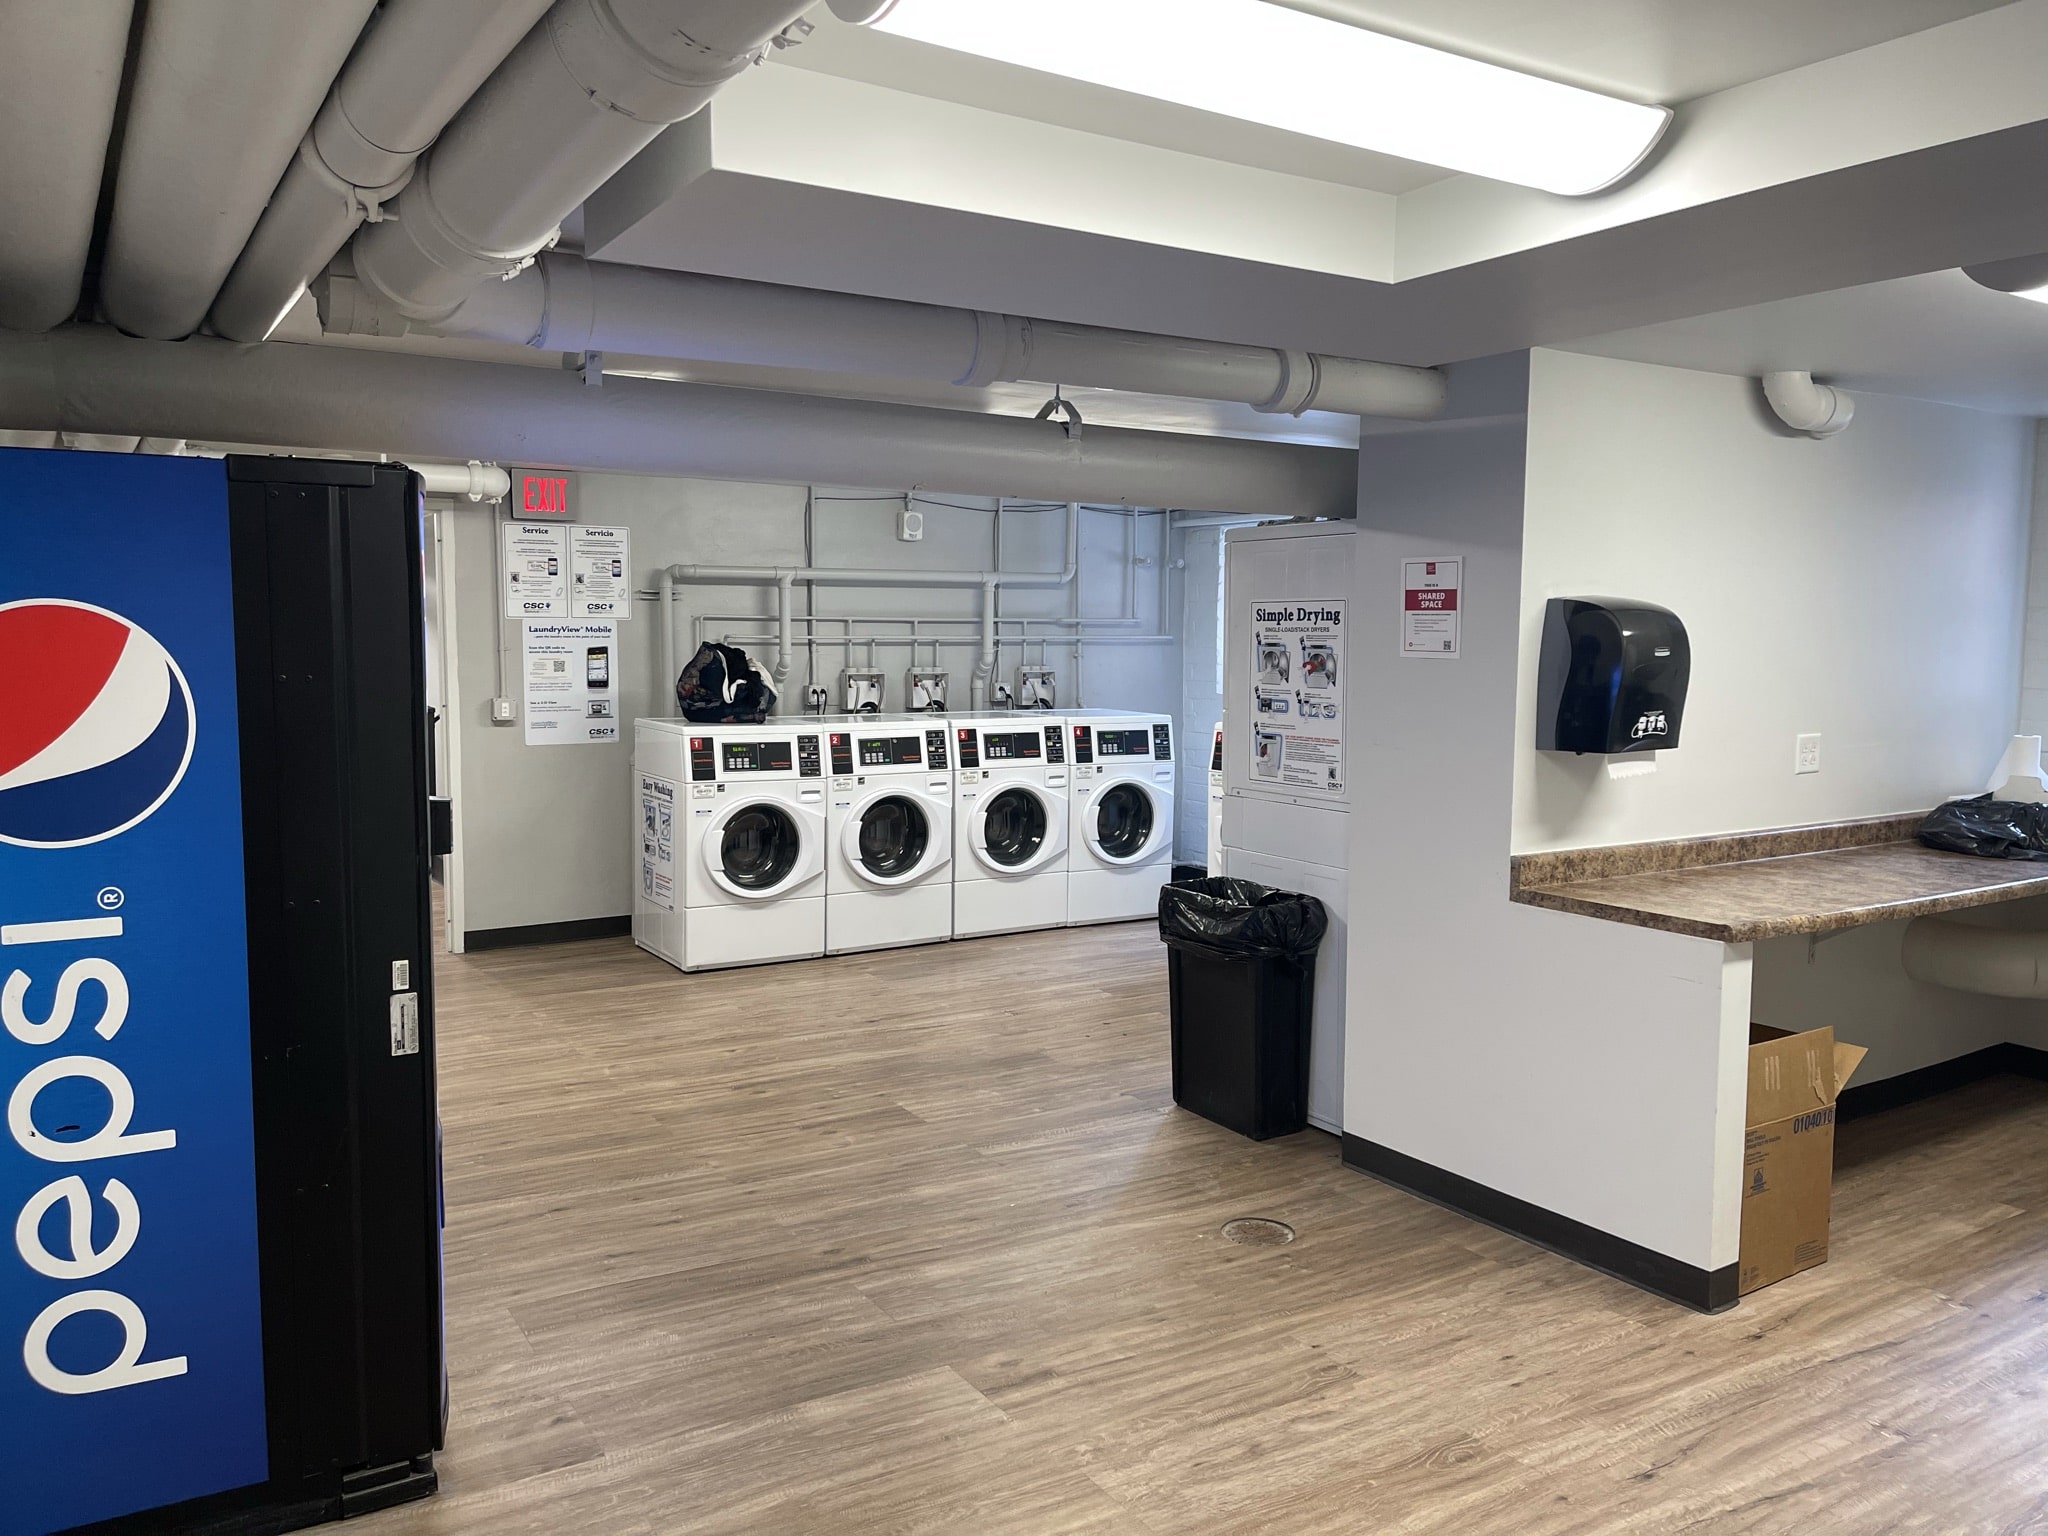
(220, 1307)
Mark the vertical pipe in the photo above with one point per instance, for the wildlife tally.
(785, 602)
(668, 640)
(985, 669)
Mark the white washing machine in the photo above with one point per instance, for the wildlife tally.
(1216, 801)
(888, 834)
(739, 879)
(1009, 823)
(1120, 849)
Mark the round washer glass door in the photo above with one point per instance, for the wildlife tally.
(1123, 817)
(893, 837)
(1013, 828)
(759, 847)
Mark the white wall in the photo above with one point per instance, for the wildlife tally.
(1855, 982)
(1201, 687)
(2034, 661)
(1868, 587)
(1581, 1066)
(545, 831)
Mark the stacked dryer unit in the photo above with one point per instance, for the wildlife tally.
(1120, 846)
(1291, 711)
(889, 833)
(731, 824)
(1010, 821)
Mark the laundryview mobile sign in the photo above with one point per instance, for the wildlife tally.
(131, 1370)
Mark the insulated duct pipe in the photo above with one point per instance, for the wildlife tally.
(60, 74)
(474, 481)
(567, 304)
(1997, 962)
(357, 400)
(223, 92)
(590, 87)
(419, 63)
(785, 578)
(1818, 410)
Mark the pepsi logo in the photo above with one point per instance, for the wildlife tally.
(96, 724)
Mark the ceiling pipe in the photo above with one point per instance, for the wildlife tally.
(415, 68)
(60, 75)
(473, 481)
(590, 87)
(2023, 274)
(223, 92)
(1995, 962)
(566, 304)
(1818, 410)
(359, 400)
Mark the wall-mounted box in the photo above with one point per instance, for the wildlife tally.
(1612, 677)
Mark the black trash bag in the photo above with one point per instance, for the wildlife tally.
(1225, 916)
(1994, 829)
(722, 686)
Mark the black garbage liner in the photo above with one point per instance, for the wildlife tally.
(1994, 829)
(1240, 963)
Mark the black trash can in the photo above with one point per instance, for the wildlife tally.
(1241, 965)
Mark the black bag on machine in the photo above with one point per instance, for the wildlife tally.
(722, 686)
(1994, 829)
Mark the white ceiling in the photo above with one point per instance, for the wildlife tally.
(1649, 50)
(1937, 336)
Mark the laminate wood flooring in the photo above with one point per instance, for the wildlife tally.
(917, 1243)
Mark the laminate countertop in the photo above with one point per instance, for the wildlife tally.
(1773, 896)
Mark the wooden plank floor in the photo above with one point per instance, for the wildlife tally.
(916, 1243)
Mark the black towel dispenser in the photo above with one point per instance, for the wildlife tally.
(1612, 677)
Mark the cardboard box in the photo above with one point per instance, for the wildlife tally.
(1788, 1152)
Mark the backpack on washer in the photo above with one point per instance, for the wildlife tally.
(723, 686)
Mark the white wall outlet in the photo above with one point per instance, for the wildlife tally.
(504, 712)
(1806, 754)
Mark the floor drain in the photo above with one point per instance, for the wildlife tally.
(1258, 1232)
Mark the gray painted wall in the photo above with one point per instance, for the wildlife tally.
(545, 831)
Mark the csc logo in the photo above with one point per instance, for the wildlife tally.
(96, 724)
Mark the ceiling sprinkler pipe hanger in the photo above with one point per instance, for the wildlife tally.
(1065, 412)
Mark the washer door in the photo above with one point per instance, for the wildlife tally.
(759, 850)
(1018, 828)
(1124, 822)
(892, 839)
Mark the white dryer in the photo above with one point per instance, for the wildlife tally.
(742, 880)
(1009, 824)
(1120, 851)
(888, 834)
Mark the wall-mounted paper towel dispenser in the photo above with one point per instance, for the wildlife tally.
(1612, 676)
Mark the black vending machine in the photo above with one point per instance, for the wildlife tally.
(222, 1305)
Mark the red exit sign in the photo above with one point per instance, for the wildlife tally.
(544, 495)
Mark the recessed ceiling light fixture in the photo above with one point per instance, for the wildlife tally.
(1264, 63)
(2025, 277)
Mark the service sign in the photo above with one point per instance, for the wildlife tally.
(131, 1368)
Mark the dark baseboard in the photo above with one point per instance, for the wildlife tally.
(1703, 1290)
(547, 933)
(1861, 1099)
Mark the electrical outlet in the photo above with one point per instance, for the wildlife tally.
(1806, 754)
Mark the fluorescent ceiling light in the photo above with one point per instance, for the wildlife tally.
(1263, 63)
